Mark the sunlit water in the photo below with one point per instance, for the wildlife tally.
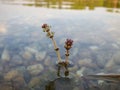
(27, 55)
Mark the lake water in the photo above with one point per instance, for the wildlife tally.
(27, 56)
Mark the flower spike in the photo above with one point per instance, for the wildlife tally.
(44, 25)
(50, 34)
(68, 44)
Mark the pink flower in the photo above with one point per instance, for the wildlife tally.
(44, 25)
(69, 42)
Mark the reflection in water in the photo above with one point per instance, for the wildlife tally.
(60, 84)
(85, 83)
(69, 4)
(2, 29)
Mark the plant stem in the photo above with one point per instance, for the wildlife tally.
(67, 55)
(56, 49)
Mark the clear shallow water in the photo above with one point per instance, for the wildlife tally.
(27, 55)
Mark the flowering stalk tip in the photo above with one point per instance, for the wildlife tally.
(46, 28)
(68, 44)
(44, 25)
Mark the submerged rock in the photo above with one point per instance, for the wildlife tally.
(40, 56)
(84, 61)
(17, 60)
(27, 55)
(48, 61)
(5, 87)
(35, 69)
(11, 75)
(109, 65)
(5, 57)
(21, 69)
(19, 83)
(74, 68)
(94, 47)
(31, 50)
(34, 82)
(113, 64)
(80, 72)
(100, 61)
(87, 63)
(116, 58)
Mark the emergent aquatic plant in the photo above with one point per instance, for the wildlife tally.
(67, 46)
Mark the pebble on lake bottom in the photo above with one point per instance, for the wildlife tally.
(35, 69)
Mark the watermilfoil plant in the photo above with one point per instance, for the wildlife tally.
(67, 46)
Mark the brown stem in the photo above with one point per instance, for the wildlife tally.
(56, 49)
(67, 55)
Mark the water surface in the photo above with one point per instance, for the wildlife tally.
(27, 53)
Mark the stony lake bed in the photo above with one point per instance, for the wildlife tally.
(27, 57)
